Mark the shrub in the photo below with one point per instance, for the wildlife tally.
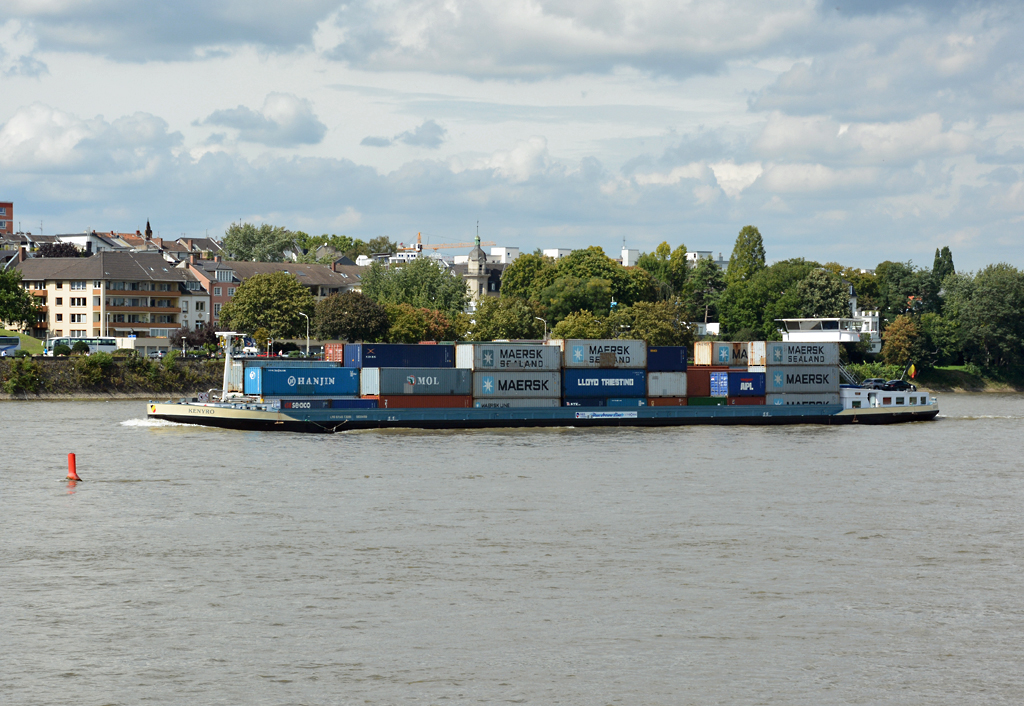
(23, 376)
(62, 349)
(80, 348)
(125, 353)
(93, 369)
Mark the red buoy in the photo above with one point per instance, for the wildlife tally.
(72, 472)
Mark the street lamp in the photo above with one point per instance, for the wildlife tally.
(545, 326)
(307, 332)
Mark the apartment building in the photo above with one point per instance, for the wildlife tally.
(113, 294)
(6, 218)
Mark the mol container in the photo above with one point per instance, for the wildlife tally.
(507, 356)
(301, 381)
(604, 383)
(509, 402)
(746, 384)
(666, 359)
(626, 402)
(797, 399)
(789, 353)
(517, 384)
(802, 378)
(583, 402)
(424, 401)
(712, 353)
(666, 384)
(733, 401)
(719, 383)
(614, 353)
(398, 355)
(426, 381)
(666, 401)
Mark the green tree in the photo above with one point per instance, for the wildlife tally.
(823, 295)
(661, 323)
(271, 301)
(58, 250)
(678, 269)
(940, 341)
(991, 317)
(350, 316)
(772, 293)
(505, 318)
(747, 256)
(581, 324)
(80, 348)
(411, 324)
(943, 265)
(901, 341)
(262, 243)
(703, 291)
(17, 306)
(422, 283)
(521, 275)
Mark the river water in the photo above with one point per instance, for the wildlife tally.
(702, 565)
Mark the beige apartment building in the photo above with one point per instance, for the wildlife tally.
(117, 294)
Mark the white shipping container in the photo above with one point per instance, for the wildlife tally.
(369, 382)
(507, 356)
(756, 354)
(802, 378)
(666, 384)
(517, 384)
(507, 402)
(606, 353)
(714, 353)
(788, 399)
(791, 353)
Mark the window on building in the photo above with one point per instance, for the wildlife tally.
(58, 333)
(216, 291)
(216, 309)
(184, 305)
(3, 210)
(78, 285)
(78, 318)
(58, 285)
(95, 301)
(59, 301)
(78, 332)
(225, 275)
(77, 301)
(200, 306)
(231, 291)
(95, 316)
(58, 317)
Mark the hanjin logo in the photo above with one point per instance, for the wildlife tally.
(252, 374)
(291, 381)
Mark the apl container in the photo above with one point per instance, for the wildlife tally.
(517, 384)
(583, 402)
(507, 356)
(666, 401)
(666, 384)
(426, 381)
(398, 355)
(789, 353)
(802, 378)
(613, 353)
(719, 383)
(301, 381)
(509, 402)
(424, 401)
(604, 383)
(626, 402)
(733, 401)
(746, 384)
(666, 359)
(798, 399)
(706, 401)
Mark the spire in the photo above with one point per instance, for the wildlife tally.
(149, 231)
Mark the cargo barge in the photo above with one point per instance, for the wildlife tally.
(533, 385)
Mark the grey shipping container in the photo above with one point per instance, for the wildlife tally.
(236, 376)
(788, 399)
(517, 384)
(507, 402)
(790, 353)
(666, 384)
(425, 381)
(802, 378)
(610, 353)
(507, 356)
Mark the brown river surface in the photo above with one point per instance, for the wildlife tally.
(701, 565)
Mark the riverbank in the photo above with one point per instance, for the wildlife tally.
(100, 376)
(956, 379)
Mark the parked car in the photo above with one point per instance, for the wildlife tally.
(873, 384)
(900, 386)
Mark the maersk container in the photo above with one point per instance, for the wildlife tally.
(626, 402)
(666, 359)
(583, 402)
(734, 401)
(509, 402)
(507, 356)
(791, 353)
(802, 378)
(666, 401)
(604, 383)
(426, 381)
(706, 401)
(739, 355)
(719, 383)
(746, 384)
(612, 353)
(517, 384)
(424, 401)
(398, 355)
(301, 381)
(666, 384)
(799, 399)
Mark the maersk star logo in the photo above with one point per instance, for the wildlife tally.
(577, 354)
(777, 380)
(778, 402)
(488, 359)
(723, 354)
(291, 381)
(488, 385)
(776, 355)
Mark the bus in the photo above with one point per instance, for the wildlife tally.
(9, 345)
(107, 345)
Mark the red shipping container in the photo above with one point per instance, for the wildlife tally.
(420, 401)
(698, 382)
(335, 352)
(745, 400)
(666, 401)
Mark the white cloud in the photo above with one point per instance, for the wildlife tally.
(285, 121)
(17, 47)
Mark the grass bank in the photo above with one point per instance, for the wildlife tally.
(32, 345)
(961, 378)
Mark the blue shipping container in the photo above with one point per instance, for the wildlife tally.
(666, 359)
(583, 402)
(305, 404)
(604, 383)
(398, 355)
(719, 384)
(746, 384)
(353, 404)
(301, 381)
(627, 402)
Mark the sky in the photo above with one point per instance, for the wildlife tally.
(850, 133)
